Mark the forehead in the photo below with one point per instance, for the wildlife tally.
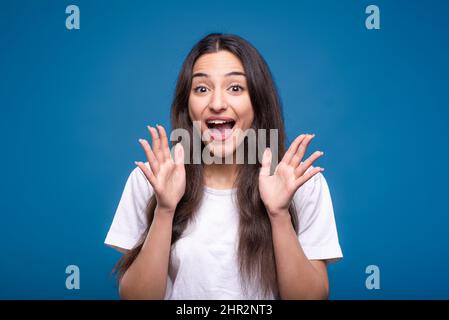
(218, 63)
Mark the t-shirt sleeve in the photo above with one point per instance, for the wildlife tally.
(317, 228)
(130, 221)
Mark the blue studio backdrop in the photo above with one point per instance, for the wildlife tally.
(75, 101)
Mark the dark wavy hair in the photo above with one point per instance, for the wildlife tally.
(255, 249)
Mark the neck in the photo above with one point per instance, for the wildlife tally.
(220, 176)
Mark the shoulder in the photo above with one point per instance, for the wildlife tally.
(313, 199)
(138, 189)
(129, 221)
(138, 179)
(317, 228)
(311, 189)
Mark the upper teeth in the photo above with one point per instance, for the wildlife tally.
(217, 121)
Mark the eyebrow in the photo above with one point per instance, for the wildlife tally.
(233, 73)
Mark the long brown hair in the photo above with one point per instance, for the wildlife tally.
(255, 250)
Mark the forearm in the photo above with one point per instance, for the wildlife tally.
(297, 277)
(146, 278)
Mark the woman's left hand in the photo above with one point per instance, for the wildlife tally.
(277, 190)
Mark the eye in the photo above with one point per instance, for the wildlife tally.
(200, 89)
(236, 88)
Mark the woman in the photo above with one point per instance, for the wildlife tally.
(220, 229)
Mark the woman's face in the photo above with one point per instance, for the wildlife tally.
(219, 102)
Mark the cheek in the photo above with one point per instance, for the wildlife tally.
(245, 111)
(194, 108)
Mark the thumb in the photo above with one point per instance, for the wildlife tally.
(179, 154)
(266, 162)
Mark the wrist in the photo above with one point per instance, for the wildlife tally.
(164, 212)
(279, 215)
(277, 211)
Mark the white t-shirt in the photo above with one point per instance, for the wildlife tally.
(203, 262)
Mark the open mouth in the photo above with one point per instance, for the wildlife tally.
(220, 128)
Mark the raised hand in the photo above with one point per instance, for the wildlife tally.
(167, 176)
(277, 190)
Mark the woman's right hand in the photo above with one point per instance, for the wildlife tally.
(167, 176)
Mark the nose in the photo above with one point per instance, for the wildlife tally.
(217, 102)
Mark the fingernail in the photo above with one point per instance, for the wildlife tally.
(140, 140)
(321, 169)
(322, 152)
(149, 127)
(313, 135)
(136, 163)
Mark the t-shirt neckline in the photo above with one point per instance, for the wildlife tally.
(220, 192)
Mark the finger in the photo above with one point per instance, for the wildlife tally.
(302, 179)
(179, 154)
(148, 174)
(296, 159)
(164, 142)
(266, 163)
(299, 171)
(154, 164)
(292, 149)
(156, 142)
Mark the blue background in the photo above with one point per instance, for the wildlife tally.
(74, 103)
